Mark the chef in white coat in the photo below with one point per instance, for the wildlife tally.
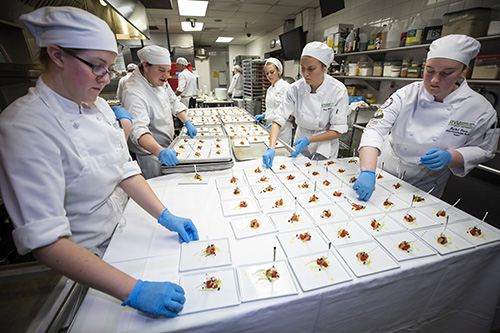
(187, 87)
(152, 104)
(319, 104)
(130, 69)
(64, 159)
(236, 87)
(274, 96)
(428, 129)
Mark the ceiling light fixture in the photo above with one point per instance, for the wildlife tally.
(224, 39)
(192, 8)
(192, 26)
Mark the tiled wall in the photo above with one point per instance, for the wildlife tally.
(379, 12)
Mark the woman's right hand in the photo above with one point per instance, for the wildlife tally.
(268, 157)
(168, 157)
(156, 298)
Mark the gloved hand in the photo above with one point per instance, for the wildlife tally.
(156, 298)
(259, 117)
(191, 130)
(184, 227)
(436, 159)
(168, 157)
(121, 113)
(365, 184)
(268, 157)
(269, 126)
(301, 144)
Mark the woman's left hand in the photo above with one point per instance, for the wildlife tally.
(184, 227)
(436, 159)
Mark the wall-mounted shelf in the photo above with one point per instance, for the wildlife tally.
(408, 79)
(405, 48)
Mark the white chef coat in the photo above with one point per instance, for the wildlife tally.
(236, 86)
(316, 113)
(152, 109)
(274, 98)
(119, 90)
(60, 166)
(187, 86)
(411, 123)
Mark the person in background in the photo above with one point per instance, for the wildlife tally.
(428, 129)
(130, 69)
(319, 104)
(64, 158)
(152, 104)
(187, 87)
(236, 87)
(274, 96)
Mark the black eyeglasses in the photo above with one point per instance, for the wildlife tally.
(98, 70)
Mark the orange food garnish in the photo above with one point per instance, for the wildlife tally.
(475, 231)
(210, 250)
(340, 170)
(278, 203)
(441, 213)
(213, 283)
(315, 173)
(405, 246)
(408, 218)
(442, 240)
(357, 207)
(326, 213)
(376, 225)
(387, 203)
(254, 224)
(233, 180)
(343, 233)
(258, 170)
(337, 194)
(197, 154)
(418, 198)
(236, 191)
(362, 257)
(330, 162)
(282, 167)
(326, 182)
(272, 274)
(313, 198)
(197, 177)
(308, 164)
(304, 185)
(305, 237)
(290, 177)
(243, 204)
(352, 180)
(322, 262)
(397, 186)
(264, 179)
(294, 218)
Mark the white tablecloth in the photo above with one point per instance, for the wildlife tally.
(458, 292)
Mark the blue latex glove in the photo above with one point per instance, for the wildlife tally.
(191, 130)
(268, 157)
(168, 157)
(121, 113)
(301, 144)
(156, 298)
(184, 227)
(365, 184)
(269, 126)
(436, 159)
(259, 117)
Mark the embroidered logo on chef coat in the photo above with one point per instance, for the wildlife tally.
(387, 103)
(375, 118)
(459, 127)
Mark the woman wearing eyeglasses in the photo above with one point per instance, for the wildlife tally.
(64, 161)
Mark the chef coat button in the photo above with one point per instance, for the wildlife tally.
(76, 125)
(410, 133)
(99, 117)
(450, 108)
(405, 149)
(434, 139)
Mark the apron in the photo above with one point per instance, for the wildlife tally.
(309, 120)
(93, 199)
(412, 172)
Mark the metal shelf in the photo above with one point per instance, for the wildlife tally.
(405, 48)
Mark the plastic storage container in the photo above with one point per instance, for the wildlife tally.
(487, 67)
(414, 35)
(378, 68)
(473, 22)
(365, 69)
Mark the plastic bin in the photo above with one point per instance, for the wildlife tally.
(486, 67)
(473, 22)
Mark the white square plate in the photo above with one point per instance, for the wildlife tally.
(418, 248)
(355, 233)
(329, 182)
(199, 155)
(488, 233)
(351, 207)
(228, 181)
(378, 224)
(455, 242)
(242, 227)
(200, 298)
(192, 178)
(315, 199)
(254, 285)
(264, 178)
(328, 214)
(268, 190)
(193, 254)
(311, 276)
(433, 210)
(282, 167)
(275, 205)
(378, 260)
(240, 142)
(389, 202)
(284, 222)
(291, 177)
(237, 207)
(237, 192)
(296, 188)
(420, 220)
(302, 242)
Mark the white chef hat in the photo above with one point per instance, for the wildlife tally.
(461, 48)
(155, 55)
(238, 67)
(131, 67)
(69, 27)
(276, 62)
(182, 61)
(319, 51)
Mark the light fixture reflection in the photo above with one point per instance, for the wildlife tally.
(224, 39)
(192, 8)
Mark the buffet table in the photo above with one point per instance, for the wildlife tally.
(455, 292)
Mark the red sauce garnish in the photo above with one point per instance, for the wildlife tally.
(476, 232)
(337, 194)
(236, 191)
(326, 182)
(254, 224)
(409, 218)
(326, 213)
(363, 257)
(313, 198)
(404, 246)
(443, 240)
(315, 173)
(305, 237)
(294, 218)
(322, 262)
(375, 225)
(243, 204)
(343, 233)
(290, 177)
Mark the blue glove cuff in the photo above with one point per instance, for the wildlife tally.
(448, 154)
(165, 215)
(368, 171)
(132, 298)
(188, 122)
